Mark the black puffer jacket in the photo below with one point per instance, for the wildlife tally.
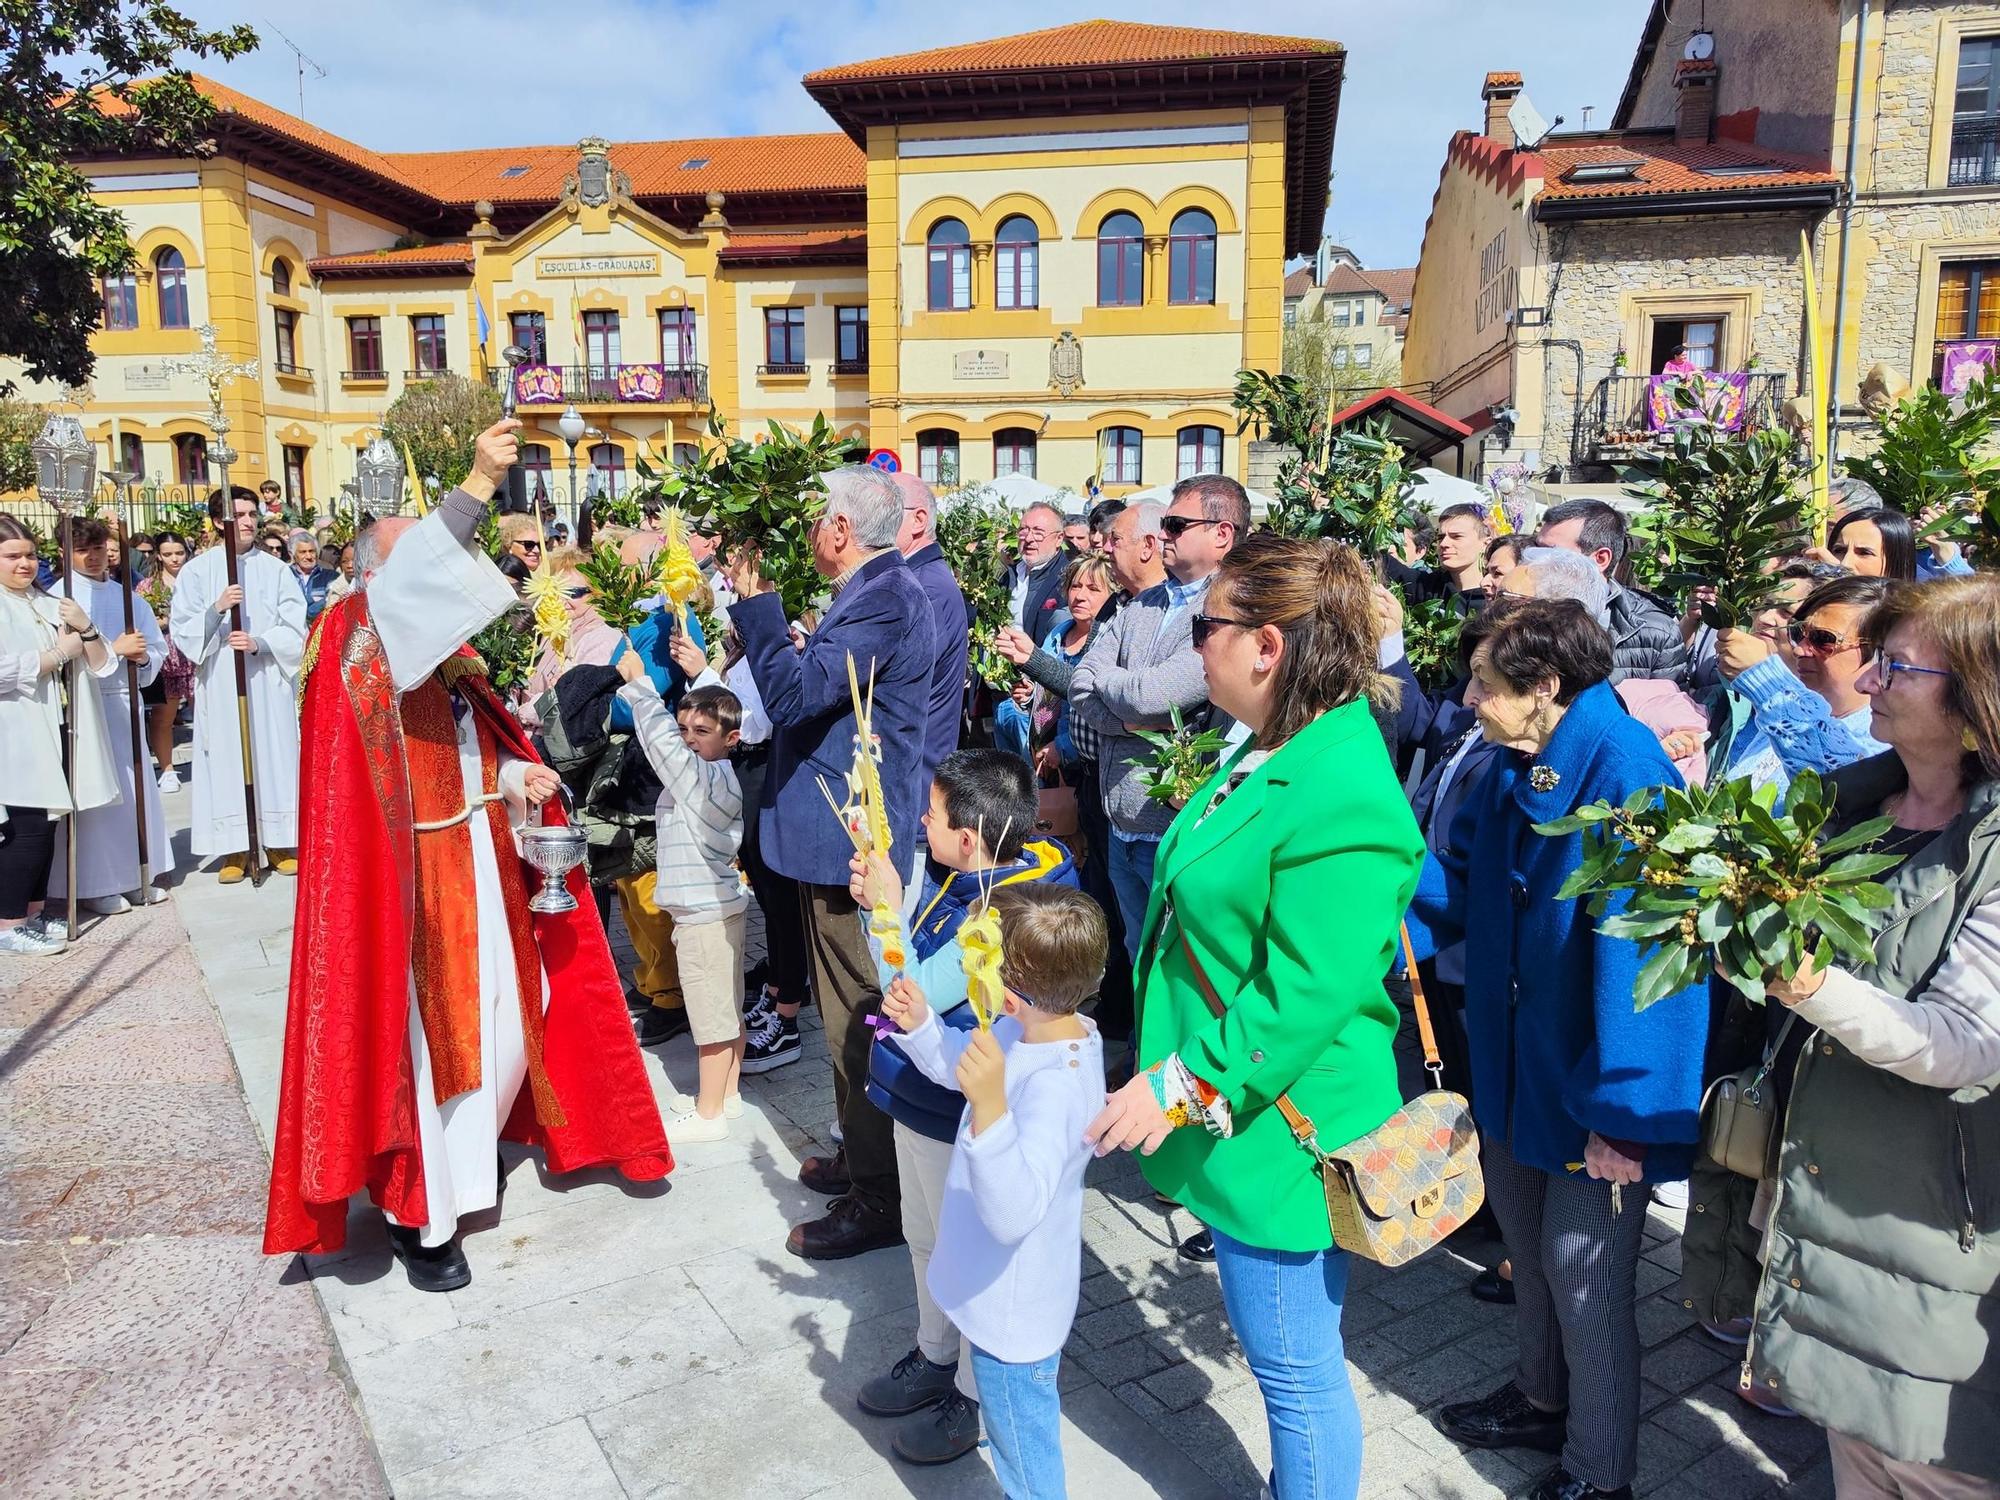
(1645, 638)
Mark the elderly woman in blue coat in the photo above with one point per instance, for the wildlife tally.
(1582, 1101)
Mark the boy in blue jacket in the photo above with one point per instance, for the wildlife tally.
(979, 825)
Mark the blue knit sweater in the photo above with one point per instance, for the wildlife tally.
(1557, 1049)
(1789, 728)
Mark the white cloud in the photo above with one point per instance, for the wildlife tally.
(413, 75)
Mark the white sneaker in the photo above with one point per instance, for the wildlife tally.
(46, 927)
(689, 1126)
(106, 906)
(684, 1104)
(170, 780)
(155, 895)
(24, 942)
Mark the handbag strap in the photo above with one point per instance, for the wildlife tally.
(1297, 1120)
(1432, 1062)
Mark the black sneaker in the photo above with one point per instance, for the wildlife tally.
(1504, 1419)
(658, 1025)
(755, 977)
(912, 1384)
(761, 1003)
(636, 1004)
(949, 1431)
(773, 1044)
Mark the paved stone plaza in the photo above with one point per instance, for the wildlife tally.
(618, 1341)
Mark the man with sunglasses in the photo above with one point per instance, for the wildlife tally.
(1143, 665)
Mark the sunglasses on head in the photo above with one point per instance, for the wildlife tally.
(1205, 625)
(1175, 525)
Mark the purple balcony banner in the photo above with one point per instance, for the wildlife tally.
(1967, 362)
(538, 385)
(1677, 396)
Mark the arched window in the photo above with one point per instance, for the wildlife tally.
(281, 277)
(121, 301)
(191, 458)
(1017, 254)
(535, 463)
(1014, 451)
(607, 469)
(1121, 261)
(950, 252)
(1191, 257)
(937, 456)
(1121, 447)
(170, 285)
(1200, 451)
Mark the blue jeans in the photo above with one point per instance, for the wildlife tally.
(1022, 1414)
(1285, 1308)
(1130, 864)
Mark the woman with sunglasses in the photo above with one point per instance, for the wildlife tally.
(1795, 703)
(1878, 1313)
(1273, 919)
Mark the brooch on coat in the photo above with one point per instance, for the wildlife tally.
(1543, 778)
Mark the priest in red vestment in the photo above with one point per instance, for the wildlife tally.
(431, 1013)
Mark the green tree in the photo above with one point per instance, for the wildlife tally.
(1935, 461)
(19, 422)
(1327, 360)
(78, 79)
(438, 421)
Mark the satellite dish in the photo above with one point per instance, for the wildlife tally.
(1527, 123)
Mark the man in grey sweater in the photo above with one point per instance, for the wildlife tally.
(1143, 665)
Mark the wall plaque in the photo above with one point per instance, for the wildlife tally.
(597, 265)
(145, 377)
(979, 364)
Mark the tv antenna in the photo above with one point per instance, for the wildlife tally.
(301, 63)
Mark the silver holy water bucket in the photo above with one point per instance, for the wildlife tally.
(554, 849)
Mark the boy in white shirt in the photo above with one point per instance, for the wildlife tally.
(700, 829)
(1010, 1233)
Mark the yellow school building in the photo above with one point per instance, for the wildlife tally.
(1045, 254)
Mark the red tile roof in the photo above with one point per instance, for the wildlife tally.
(1082, 44)
(1394, 287)
(413, 259)
(1299, 282)
(1666, 166)
(826, 160)
(823, 247)
(1503, 80)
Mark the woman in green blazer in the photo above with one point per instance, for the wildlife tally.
(1284, 880)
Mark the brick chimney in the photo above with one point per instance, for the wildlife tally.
(1500, 92)
(1694, 120)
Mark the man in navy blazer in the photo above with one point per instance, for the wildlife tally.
(880, 617)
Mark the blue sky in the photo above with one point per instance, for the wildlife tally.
(415, 75)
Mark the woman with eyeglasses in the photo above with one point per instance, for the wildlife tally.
(1273, 918)
(1877, 1314)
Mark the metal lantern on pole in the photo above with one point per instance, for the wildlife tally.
(378, 475)
(573, 428)
(65, 472)
(65, 463)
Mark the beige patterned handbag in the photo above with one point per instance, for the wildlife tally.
(1400, 1189)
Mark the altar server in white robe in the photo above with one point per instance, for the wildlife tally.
(272, 643)
(50, 657)
(107, 838)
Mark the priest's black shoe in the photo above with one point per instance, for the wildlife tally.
(1505, 1419)
(1560, 1484)
(636, 1004)
(826, 1174)
(659, 1025)
(850, 1227)
(440, 1270)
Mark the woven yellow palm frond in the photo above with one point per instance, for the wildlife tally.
(680, 574)
(545, 598)
(980, 956)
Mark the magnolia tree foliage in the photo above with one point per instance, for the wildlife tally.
(437, 422)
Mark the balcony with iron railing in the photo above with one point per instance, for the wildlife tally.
(1631, 415)
(606, 385)
(783, 367)
(1975, 152)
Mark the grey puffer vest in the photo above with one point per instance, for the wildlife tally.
(1877, 1314)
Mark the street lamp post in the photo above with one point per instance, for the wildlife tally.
(572, 427)
(65, 472)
